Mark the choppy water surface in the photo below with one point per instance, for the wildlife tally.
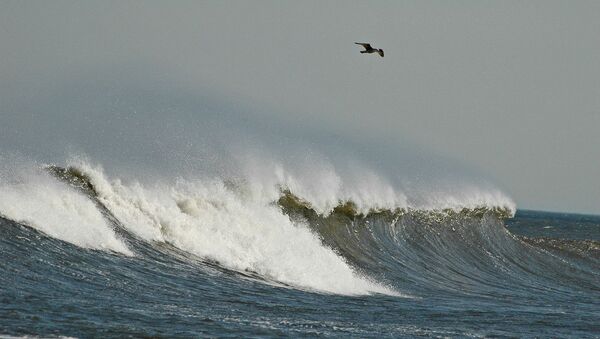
(84, 254)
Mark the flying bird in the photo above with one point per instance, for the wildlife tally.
(369, 49)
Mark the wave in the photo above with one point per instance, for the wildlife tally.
(348, 241)
(350, 248)
(32, 197)
(226, 221)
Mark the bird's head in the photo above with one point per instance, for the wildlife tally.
(380, 51)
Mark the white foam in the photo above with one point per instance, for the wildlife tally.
(209, 220)
(30, 196)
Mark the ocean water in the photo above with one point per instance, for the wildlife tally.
(88, 254)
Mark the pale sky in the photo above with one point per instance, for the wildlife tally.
(509, 88)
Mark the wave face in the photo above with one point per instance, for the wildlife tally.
(452, 250)
(271, 237)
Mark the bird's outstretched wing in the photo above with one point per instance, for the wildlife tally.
(364, 44)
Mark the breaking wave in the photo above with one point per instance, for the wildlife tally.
(31, 196)
(279, 234)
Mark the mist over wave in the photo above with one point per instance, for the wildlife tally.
(237, 221)
(165, 166)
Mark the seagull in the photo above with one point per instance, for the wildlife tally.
(369, 49)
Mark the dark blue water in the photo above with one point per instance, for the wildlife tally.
(535, 275)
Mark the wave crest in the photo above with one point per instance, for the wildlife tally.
(290, 202)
